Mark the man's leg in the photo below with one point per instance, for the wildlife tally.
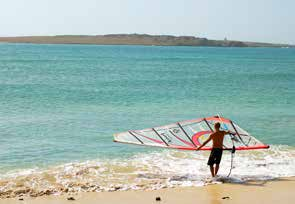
(212, 170)
(216, 169)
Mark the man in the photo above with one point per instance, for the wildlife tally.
(216, 152)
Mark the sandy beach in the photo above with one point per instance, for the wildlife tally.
(275, 191)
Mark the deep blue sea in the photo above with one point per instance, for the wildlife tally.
(61, 104)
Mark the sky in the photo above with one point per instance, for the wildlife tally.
(246, 20)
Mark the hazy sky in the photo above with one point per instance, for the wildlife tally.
(248, 20)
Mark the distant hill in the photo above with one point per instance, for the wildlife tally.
(135, 39)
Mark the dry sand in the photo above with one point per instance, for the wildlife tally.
(277, 191)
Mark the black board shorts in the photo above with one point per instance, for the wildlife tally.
(215, 156)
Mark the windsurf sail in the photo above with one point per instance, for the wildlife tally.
(189, 134)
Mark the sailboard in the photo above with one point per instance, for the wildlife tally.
(190, 134)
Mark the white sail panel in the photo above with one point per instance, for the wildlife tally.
(188, 135)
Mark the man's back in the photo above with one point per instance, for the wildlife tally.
(216, 152)
(217, 138)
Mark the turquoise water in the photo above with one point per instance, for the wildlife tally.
(62, 103)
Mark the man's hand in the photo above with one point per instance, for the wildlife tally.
(230, 132)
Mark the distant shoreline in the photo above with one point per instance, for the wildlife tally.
(136, 39)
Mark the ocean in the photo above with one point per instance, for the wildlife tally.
(61, 104)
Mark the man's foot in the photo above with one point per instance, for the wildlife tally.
(214, 179)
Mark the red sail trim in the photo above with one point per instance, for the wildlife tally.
(194, 149)
(196, 136)
(237, 148)
(213, 118)
(218, 119)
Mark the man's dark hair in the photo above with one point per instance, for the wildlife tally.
(217, 125)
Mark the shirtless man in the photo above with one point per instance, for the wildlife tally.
(216, 152)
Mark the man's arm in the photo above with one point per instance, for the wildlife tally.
(208, 140)
(229, 132)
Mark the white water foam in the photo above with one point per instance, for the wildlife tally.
(159, 169)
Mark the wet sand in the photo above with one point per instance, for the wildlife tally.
(275, 191)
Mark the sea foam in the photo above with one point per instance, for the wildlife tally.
(149, 171)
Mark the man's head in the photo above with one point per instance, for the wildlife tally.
(217, 126)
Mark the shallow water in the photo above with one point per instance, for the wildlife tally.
(155, 170)
(60, 105)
